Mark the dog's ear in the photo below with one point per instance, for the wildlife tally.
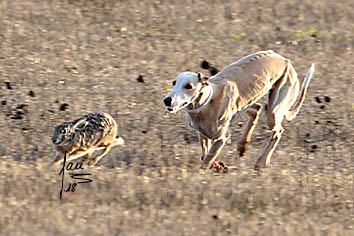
(213, 71)
(203, 79)
(205, 65)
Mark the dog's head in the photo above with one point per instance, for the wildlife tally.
(186, 88)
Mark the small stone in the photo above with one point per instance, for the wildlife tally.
(293, 42)
(64, 107)
(313, 148)
(17, 116)
(31, 93)
(318, 99)
(8, 85)
(140, 79)
(21, 106)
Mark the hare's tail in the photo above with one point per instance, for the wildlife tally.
(118, 141)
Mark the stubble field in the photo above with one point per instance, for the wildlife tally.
(62, 59)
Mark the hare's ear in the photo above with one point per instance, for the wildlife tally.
(203, 79)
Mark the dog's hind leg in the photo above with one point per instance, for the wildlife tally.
(280, 101)
(254, 113)
(264, 159)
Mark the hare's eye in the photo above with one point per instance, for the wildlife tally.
(174, 83)
(188, 86)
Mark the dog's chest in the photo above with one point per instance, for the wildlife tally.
(206, 127)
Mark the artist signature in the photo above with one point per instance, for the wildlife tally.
(81, 177)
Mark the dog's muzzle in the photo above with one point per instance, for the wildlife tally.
(167, 101)
(168, 104)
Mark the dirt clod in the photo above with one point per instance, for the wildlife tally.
(140, 79)
(64, 107)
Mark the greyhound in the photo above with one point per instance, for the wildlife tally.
(212, 104)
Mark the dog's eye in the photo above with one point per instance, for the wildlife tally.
(174, 83)
(188, 86)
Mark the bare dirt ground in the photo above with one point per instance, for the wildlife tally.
(89, 54)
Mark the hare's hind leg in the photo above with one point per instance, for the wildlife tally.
(59, 156)
(100, 156)
(254, 113)
(89, 155)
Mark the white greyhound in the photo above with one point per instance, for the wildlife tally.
(212, 104)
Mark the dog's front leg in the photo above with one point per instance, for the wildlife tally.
(214, 151)
(204, 144)
(220, 127)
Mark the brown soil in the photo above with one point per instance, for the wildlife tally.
(89, 55)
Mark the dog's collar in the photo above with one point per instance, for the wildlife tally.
(202, 107)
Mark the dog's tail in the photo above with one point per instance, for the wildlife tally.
(292, 113)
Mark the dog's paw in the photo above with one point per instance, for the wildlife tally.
(242, 151)
(242, 148)
(259, 166)
(219, 167)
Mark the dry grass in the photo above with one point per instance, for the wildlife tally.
(88, 54)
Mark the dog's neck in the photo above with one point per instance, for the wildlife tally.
(202, 100)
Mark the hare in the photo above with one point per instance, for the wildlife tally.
(85, 135)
